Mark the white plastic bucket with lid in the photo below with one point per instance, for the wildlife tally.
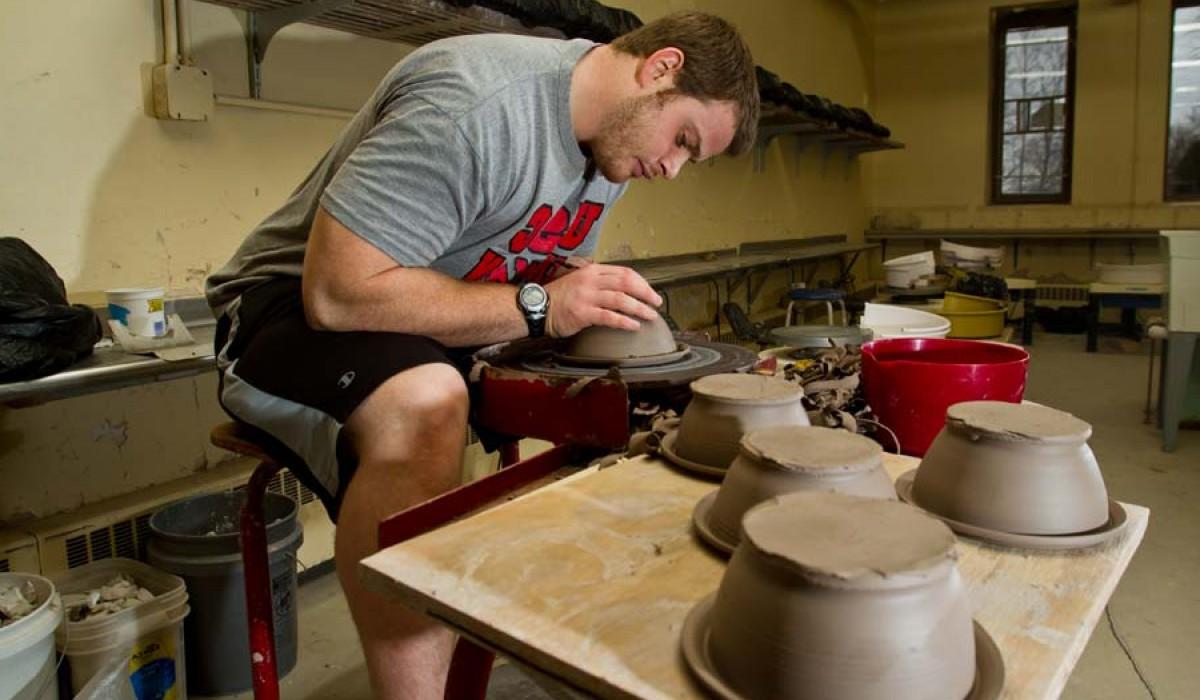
(138, 309)
(890, 321)
(904, 271)
(27, 645)
(149, 636)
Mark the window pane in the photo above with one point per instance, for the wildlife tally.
(1183, 139)
(1010, 117)
(1032, 164)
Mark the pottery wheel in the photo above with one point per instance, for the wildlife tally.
(701, 358)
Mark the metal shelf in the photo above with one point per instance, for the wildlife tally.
(808, 131)
(413, 22)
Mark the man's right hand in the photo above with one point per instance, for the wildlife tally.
(599, 295)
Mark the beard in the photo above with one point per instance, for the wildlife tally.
(623, 132)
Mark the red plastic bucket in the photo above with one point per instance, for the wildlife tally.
(910, 382)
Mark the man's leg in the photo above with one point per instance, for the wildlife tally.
(409, 437)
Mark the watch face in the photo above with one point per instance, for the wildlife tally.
(532, 296)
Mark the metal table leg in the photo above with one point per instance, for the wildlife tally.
(1093, 321)
(1177, 369)
(1029, 296)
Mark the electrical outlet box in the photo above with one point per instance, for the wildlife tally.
(182, 92)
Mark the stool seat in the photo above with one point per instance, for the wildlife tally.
(805, 294)
(245, 439)
(829, 297)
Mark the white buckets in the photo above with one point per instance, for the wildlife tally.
(904, 271)
(27, 669)
(889, 321)
(971, 257)
(148, 636)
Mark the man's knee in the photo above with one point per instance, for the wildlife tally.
(421, 404)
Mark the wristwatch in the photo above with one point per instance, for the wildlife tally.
(534, 302)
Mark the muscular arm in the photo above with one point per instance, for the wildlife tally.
(350, 285)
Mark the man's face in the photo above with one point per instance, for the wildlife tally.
(654, 135)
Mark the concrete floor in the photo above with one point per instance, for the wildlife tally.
(1146, 646)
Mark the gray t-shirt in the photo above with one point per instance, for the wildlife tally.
(464, 160)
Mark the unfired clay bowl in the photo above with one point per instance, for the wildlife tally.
(1018, 468)
(605, 343)
(837, 596)
(724, 407)
(784, 459)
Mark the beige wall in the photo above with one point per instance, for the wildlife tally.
(932, 82)
(112, 197)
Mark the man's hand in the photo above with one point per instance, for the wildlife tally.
(599, 295)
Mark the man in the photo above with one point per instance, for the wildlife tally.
(476, 169)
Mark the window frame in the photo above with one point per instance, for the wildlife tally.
(1003, 20)
(1166, 193)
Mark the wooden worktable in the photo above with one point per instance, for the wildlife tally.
(589, 579)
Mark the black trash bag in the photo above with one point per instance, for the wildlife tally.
(40, 331)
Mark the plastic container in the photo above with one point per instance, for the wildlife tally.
(197, 538)
(910, 382)
(972, 316)
(971, 257)
(148, 636)
(904, 271)
(891, 321)
(140, 310)
(27, 645)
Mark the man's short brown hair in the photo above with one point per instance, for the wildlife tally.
(717, 64)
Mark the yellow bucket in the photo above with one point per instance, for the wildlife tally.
(956, 301)
(972, 316)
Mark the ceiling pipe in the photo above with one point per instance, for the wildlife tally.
(170, 32)
(183, 25)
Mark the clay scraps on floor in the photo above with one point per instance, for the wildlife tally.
(16, 602)
(120, 593)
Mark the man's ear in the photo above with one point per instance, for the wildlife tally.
(658, 70)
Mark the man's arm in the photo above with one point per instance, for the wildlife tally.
(350, 285)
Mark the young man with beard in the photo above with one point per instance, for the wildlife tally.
(440, 220)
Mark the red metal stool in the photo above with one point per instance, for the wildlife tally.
(470, 666)
(551, 409)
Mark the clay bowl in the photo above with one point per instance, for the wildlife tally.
(784, 459)
(604, 344)
(837, 596)
(1017, 468)
(724, 407)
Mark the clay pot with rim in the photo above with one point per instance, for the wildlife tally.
(606, 343)
(784, 459)
(869, 605)
(1018, 468)
(724, 407)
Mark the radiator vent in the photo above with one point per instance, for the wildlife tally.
(124, 538)
(4, 566)
(1062, 294)
(288, 485)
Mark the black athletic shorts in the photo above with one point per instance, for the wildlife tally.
(300, 385)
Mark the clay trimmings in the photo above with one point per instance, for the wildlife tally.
(746, 387)
(847, 537)
(802, 448)
(1016, 421)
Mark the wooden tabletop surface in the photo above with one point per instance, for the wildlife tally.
(588, 580)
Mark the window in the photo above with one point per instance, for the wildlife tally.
(1032, 105)
(1182, 179)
